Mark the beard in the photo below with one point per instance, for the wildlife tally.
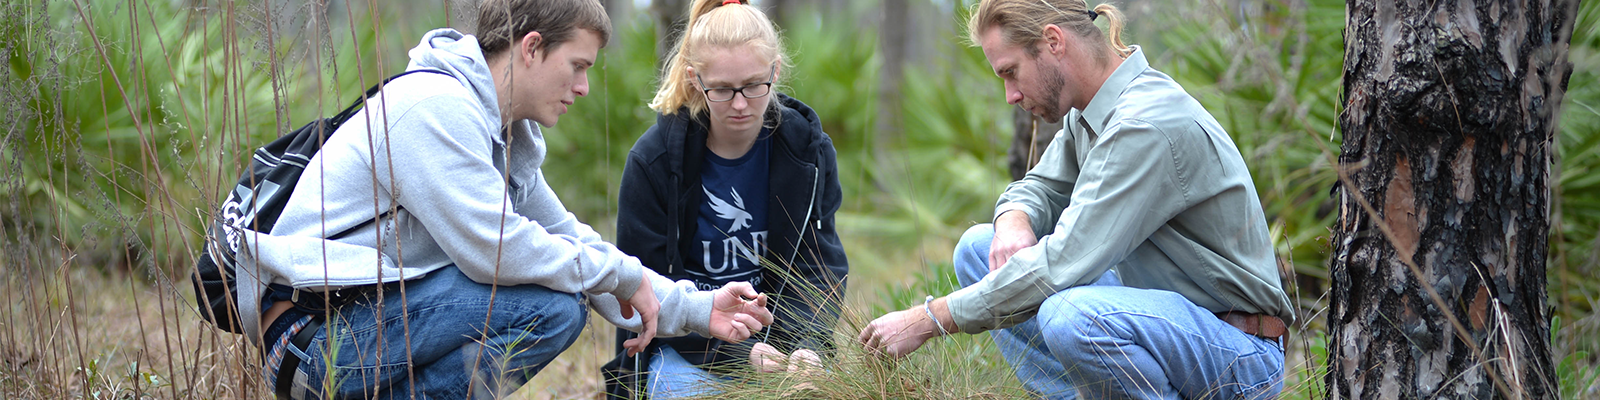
(1054, 82)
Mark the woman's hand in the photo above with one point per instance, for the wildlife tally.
(804, 364)
(737, 311)
(769, 359)
(766, 358)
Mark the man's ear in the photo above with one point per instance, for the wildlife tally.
(529, 46)
(1054, 39)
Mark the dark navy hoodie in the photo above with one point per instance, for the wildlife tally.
(661, 200)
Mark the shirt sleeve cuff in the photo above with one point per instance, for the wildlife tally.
(1012, 206)
(628, 277)
(969, 311)
(698, 305)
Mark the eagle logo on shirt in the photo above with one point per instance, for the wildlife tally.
(735, 211)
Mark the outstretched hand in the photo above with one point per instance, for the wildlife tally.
(899, 333)
(737, 311)
(649, 308)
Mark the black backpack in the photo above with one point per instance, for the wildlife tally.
(255, 203)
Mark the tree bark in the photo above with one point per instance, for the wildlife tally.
(1438, 269)
(903, 43)
(463, 15)
(670, 16)
(620, 11)
(894, 44)
(784, 12)
(1031, 136)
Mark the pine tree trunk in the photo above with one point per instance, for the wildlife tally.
(784, 12)
(893, 43)
(669, 16)
(621, 12)
(1449, 122)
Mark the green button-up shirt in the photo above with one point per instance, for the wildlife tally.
(1143, 179)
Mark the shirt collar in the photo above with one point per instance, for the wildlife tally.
(1099, 109)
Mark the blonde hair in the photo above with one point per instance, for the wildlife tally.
(1022, 22)
(713, 25)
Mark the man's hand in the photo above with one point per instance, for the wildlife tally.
(644, 301)
(899, 333)
(737, 310)
(1012, 232)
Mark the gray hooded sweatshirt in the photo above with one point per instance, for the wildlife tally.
(429, 146)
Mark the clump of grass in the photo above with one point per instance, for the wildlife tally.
(957, 366)
(965, 367)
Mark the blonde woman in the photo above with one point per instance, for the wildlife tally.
(735, 182)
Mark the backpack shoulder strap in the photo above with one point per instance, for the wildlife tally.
(373, 91)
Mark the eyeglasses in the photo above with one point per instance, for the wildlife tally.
(751, 91)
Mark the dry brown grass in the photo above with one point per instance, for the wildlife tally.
(575, 374)
(121, 327)
(83, 331)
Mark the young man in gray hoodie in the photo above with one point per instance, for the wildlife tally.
(472, 276)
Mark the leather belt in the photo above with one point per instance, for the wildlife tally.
(1262, 326)
(291, 361)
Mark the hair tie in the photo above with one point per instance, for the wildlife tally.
(727, 2)
(1093, 14)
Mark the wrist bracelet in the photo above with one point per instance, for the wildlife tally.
(926, 307)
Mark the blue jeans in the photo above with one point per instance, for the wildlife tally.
(672, 377)
(457, 340)
(1106, 340)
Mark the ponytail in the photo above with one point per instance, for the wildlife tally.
(712, 24)
(1114, 25)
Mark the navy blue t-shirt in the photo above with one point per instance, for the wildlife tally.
(731, 233)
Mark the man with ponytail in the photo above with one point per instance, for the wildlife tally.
(457, 272)
(1133, 261)
(734, 182)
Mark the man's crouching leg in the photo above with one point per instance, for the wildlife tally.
(1021, 345)
(446, 338)
(1121, 342)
